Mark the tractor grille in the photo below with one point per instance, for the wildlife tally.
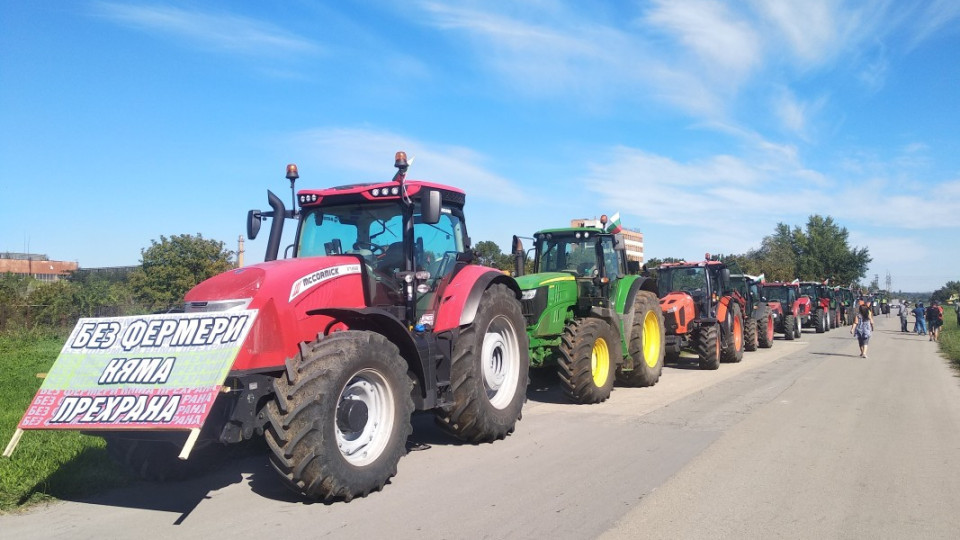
(534, 308)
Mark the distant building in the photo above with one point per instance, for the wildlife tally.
(36, 265)
(632, 239)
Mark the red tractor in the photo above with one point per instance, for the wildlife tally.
(823, 315)
(380, 312)
(791, 310)
(700, 312)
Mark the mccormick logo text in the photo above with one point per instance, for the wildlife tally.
(303, 284)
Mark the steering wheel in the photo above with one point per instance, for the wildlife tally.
(374, 248)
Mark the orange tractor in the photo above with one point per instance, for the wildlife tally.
(700, 313)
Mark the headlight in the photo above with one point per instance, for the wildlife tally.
(528, 295)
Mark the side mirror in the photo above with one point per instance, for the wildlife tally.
(633, 267)
(430, 206)
(519, 256)
(725, 277)
(253, 224)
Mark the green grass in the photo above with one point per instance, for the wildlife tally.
(47, 464)
(950, 336)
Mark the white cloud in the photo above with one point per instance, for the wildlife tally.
(370, 152)
(217, 31)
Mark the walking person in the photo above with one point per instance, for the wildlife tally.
(936, 320)
(931, 315)
(903, 316)
(919, 313)
(862, 327)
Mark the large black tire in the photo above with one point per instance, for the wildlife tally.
(158, 459)
(708, 346)
(798, 328)
(586, 362)
(789, 327)
(647, 343)
(765, 332)
(819, 321)
(490, 370)
(341, 416)
(750, 337)
(732, 341)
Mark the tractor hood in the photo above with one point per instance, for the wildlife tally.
(282, 292)
(533, 281)
(679, 309)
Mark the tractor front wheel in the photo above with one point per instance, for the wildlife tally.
(586, 362)
(708, 346)
(732, 341)
(489, 370)
(647, 342)
(750, 338)
(789, 327)
(341, 416)
(765, 332)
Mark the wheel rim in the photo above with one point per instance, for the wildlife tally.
(651, 339)
(365, 417)
(500, 358)
(600, 362)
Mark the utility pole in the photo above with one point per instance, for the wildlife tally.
(240, 251)
(889, 282)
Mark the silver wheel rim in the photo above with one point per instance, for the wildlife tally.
(500, 360)
(364, 446)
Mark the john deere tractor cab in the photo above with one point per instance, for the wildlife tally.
(589, 313)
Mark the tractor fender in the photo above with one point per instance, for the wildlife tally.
(624, 304)
(384, 323)
(460, 298)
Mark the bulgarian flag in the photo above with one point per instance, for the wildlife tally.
(614, 226)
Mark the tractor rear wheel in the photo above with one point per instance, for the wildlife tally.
(708, 346)
(341, 416)
(489, 371)
(765, 332)
(750, 341)
(586, 362)
(732, 341)
(647, 342)
(820, 321)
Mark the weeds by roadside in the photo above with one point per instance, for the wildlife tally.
(950, 336)
(47, 464)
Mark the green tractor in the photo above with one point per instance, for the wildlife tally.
(590, 313)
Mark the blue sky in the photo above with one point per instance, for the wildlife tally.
(703, 122)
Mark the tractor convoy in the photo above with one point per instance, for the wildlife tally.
(378, 310)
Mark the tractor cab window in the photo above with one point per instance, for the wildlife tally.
(374, 231)
(611, 263)
(692, 280)
(809, 290)
(568, 254)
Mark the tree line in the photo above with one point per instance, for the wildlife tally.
(168, 269)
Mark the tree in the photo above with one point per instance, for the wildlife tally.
(489, 254)
(945, 293)
(171, 267)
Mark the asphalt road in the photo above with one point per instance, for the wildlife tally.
(804, 440)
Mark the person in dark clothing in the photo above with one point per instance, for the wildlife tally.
(903, 316)
(920, 313)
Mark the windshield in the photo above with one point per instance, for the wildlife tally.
(375, 232)
(809, 290)
(568, 254)
(778, 294)
(682, 279)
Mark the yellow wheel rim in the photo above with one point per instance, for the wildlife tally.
(651, 339)
(600, 362)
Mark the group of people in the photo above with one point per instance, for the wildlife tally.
(928, 321)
